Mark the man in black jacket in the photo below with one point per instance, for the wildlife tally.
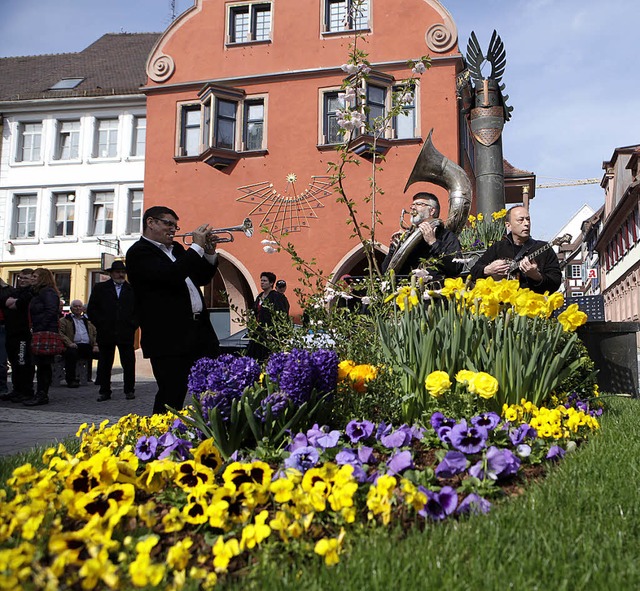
(176, 330)
(437, 249)
(15, 303)
(111, 309)
(540, 274)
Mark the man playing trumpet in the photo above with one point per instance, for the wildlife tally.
(176, 330)
(435, 252)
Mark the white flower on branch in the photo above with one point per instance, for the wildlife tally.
(269, 249)
(419, 68)
(349, 68)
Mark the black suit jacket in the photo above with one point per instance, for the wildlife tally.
(113, 316)
(162, 301)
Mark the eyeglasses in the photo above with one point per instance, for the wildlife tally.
(422, 204)
(168, 223)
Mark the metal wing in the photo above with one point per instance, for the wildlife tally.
(474, 58)
(497, 56)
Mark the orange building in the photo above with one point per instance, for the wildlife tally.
(244, 95)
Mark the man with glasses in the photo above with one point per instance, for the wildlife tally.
(173, 317)
(434, 254)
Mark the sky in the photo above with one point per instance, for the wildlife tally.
(571, 76)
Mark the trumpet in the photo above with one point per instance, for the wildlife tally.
(246, 227)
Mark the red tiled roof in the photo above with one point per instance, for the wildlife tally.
(510, 170)
(114, 64)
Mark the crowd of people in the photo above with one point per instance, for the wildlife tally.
(165, 276)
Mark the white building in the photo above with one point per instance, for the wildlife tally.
(72, 159)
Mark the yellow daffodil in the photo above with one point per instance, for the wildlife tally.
(572, 318)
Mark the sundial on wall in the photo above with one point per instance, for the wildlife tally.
(291, 210)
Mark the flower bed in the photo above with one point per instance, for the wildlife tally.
(274, 457)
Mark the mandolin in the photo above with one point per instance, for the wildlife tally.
(514, 265)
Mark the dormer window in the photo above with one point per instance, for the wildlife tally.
(66, 84)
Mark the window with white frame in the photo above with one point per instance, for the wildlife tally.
(106, 138)
(330, 128)
(102, 203)
(134, 217)
(346, 15)
(139, 136)
(224, 131)
(190, 123)
(404, 124)
(249, 22)
(68, 141)
(376, 101)
(29, 142)
(575, 272)
(24, 216)
(253, 124)
(64, 214)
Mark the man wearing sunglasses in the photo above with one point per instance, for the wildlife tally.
(166, 279)
(436, 251)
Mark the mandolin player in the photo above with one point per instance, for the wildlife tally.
(518, 256)
(434, 252)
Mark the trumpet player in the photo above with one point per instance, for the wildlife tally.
(166, 279)
(435, 252)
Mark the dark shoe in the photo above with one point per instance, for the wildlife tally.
(129, 395)
(39, 399)
(104, 397)
(17, 397)
(8, 396)
(74, 384)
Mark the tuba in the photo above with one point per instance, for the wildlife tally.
(433, 167)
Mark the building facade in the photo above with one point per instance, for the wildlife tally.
(72, 159)
(618, 243)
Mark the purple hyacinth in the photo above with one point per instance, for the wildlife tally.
(439, 505)
(146, 448)
(467, 439)
(297, 376)
(325, 365)
(275, 365)
(278, 401)
(473, 504)
(359, 430)
(455, 462)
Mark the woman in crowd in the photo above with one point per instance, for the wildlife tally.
(44, 311)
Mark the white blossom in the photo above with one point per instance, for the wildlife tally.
(349, 68)
(269, 249)
(419, 68)
(366, 300)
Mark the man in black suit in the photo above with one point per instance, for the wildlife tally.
(111, 310)
(176, 330)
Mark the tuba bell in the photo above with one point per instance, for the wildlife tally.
(432, 166)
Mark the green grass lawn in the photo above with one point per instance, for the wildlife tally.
(578, 529)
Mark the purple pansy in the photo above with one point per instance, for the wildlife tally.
(439, 504)
(443, 434)
(400, 462)
(173, 444)
(453, 463)
(146, 448)
(520, 433)
(359, 430)
(399, 438)
(486, 420)
(473, 504)
(555, 453)
(300, 440)
(328, 440)
(302, 458)
(500, 463)
(439, 420)
(467, 439)
(365, 455)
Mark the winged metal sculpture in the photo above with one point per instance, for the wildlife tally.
(497, 57)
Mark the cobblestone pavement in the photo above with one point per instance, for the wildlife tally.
(22, 427)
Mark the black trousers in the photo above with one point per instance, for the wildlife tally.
(22, 367)
(172, 371)
(105, 366)
(44, 373)
(71, 356)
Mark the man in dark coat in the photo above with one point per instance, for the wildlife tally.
(541, 273)
(111, 309)
(176, 330)
(15, 302)
(438, 247)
